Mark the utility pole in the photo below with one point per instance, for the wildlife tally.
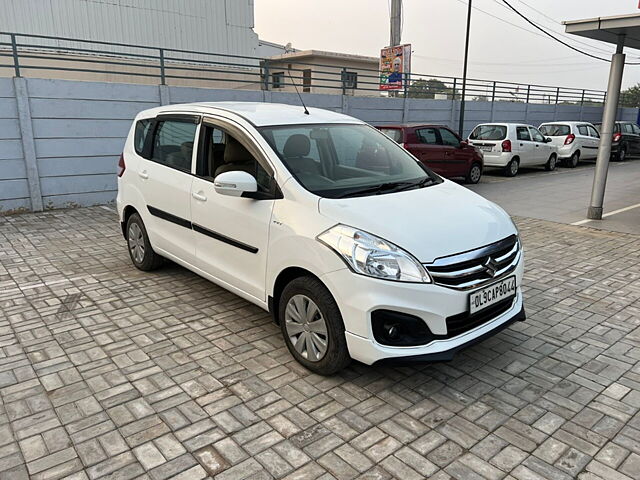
(464, 72)
(396, 23)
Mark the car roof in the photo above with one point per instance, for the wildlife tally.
(563, 122)
(258, 113)
(412, 125)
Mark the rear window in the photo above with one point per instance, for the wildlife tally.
(555, 130)
(489, 132)
(394, 134)
(140, 135)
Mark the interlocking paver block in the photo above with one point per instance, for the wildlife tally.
(109, 371)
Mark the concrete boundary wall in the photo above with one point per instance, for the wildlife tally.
(60, 140)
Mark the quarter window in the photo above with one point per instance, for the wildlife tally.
(522, 133)
(140, 135)
(173, 144)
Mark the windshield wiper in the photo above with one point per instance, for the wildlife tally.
(378, 189)
(422, 183)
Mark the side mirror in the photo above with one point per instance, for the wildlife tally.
(463, 143)
(235, 184)
(548, 140)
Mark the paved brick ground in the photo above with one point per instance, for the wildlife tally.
(109, 372)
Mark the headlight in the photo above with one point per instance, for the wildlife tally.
(372, 256)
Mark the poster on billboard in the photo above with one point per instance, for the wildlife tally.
(395, 63)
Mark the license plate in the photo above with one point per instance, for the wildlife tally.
(492, 294)
(486, 148)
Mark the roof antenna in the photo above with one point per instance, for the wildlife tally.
(296, 87)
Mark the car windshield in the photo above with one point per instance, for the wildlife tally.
(394, 134)
(555, 130)
(346, 160)
(489, 132)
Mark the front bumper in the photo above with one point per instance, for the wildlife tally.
(358, 296)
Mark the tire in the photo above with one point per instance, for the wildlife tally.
(140, 250)
(474, 174)
(511, 170)
(552, 163)
(296, 314)
(621, 155)
(573, 160)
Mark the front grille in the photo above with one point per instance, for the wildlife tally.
(463, 322)
(476, 268)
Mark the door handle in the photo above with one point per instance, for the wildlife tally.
(199, 196)
(143, 174)
(522, 144)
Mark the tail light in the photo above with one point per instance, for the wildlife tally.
(570, 138)
(121, 165)
(506, 146)
(617, 137)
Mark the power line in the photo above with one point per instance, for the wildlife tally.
(524, 17)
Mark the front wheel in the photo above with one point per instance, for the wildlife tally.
(511, 170)
(551, 164)
(312, 326)
(474, 174)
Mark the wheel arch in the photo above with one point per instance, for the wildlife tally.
(126, 213)
(281, 281)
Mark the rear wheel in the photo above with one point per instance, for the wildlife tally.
(511, 170)
(474, 174)
(140, 251)
(573, 160)
(621, 156)
(312, 326)
(551, 164)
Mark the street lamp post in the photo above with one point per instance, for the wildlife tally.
(464, 73)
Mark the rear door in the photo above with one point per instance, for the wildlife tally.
(583, 140)
(636, 138)
(164, 179)
(524, 146)
(428, 148)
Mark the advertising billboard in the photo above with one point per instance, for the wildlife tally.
(395, 65)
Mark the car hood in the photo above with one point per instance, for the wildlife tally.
(429, 222)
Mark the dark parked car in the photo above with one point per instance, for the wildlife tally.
(626, 140)
(440, 149)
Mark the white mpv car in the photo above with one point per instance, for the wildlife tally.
(574, 141)
(513, 145)
(357, 249)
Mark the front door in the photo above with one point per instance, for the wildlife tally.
(231, 233)
(524, 146)
(456, 159)
(164, 179)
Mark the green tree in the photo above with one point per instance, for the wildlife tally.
(428, 88)
(631, 96)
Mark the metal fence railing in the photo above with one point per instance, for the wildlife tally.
(38, 55)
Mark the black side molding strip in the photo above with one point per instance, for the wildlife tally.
(225, 239)
(156, 212)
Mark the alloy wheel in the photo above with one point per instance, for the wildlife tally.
(136, 242)
(475, 173)
(306, 328)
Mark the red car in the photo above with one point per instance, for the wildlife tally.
(440, 149)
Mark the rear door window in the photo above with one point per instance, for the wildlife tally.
(636, 129)
(489, 132)
(628, 128)
(428, 136)
(522, 133)
(173, 143)
(583, 130)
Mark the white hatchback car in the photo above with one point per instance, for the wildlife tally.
(356, 248)
(574, 141)
(513, 145)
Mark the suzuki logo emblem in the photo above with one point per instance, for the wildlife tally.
(491, 267)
